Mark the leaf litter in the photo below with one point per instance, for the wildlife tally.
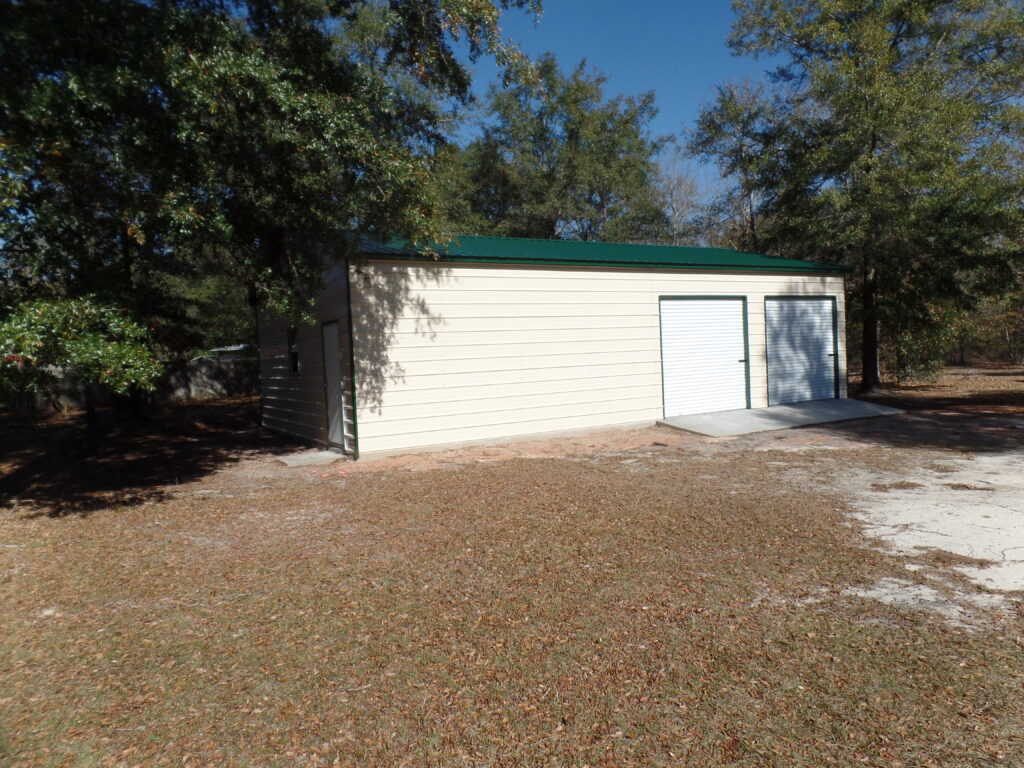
(557, 610)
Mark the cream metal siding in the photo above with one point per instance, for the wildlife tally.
(451, 353)
(295, 403)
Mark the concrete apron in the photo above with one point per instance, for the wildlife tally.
(309, 458)
(748, 420)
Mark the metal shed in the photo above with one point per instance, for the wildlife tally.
(502, 337)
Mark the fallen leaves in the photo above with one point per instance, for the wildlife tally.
(524, 612)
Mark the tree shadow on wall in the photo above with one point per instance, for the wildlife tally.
(390, 310)
(802, 365)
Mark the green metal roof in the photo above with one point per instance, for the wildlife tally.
(575, 253)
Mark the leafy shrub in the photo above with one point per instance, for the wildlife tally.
(45, 340)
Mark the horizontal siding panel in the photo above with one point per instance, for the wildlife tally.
(308, 417)
(485, 379)
(364, 317)
(284, 388)
(609, 293)
(297, 394)
(291, 426)
(426, 316)
(519, 428)
(578, 360)
(445, 350)
(491, 323)
(539, 404)
(479, 338)
(612, 293)
(300, 404)
(424, 394)
(447, 274)
(571, 291)
(280, 378)
(383, 427)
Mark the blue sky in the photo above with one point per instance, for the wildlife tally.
(674, 47)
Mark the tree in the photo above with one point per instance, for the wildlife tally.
(685, 208)
(558, 160)
(996, 330)
(888, 140)
(43, 341)
(738, 132)
(142, 141)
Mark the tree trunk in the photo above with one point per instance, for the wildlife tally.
(870, 378)
(755, 246)
(136, 406)
(92, 422)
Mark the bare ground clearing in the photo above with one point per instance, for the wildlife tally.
(627, 598)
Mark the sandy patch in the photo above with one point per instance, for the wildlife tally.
(972, 507)
(968, 610)
(598, 442)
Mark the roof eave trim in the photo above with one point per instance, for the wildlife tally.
(812, 268)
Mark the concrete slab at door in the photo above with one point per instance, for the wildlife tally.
(703, 354)
(801, 339)
(747, 421)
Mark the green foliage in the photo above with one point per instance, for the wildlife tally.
(995, 330)
(920, 350)
(144, 141)
(888, 140)
(200, 313)
(558, 160)
(97, 344)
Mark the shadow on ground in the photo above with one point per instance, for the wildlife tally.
(49, 467)
(987, 421)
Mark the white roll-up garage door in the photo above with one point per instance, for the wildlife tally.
(801, 349)
(704, 355)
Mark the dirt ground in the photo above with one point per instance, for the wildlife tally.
(940, 410)
(623, 598)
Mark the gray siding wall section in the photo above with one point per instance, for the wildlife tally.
(295, 403)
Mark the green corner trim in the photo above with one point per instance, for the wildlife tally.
(352, 361)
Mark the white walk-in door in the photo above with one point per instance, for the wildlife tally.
(801, 349)
(704, 355)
